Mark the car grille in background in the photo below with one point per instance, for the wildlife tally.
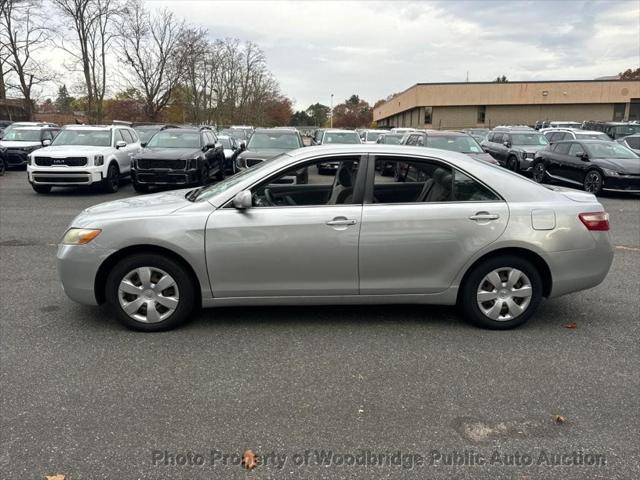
(253, 161)
(145, 163)
(69, 161)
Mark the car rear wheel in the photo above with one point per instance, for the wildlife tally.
(41, 188)
(593, 182)
(501, 293)
(111, 182)
(204, 174)
(150, 293)
(539, 172)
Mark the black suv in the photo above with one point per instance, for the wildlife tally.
(178, 156)
(514, 147)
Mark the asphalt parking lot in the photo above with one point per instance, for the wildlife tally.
(86, 398)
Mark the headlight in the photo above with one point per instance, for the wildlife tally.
(610, 173)
(192, 164)
(79, 236)
(98, 160)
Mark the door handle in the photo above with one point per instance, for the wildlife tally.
(484, 216)
(341, 221)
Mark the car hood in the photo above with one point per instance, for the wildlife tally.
(263, 153)
(484, 157)
(623, 165)
(158, 204)
(169, 153)
(529, 148)
(69, 150)
(11, 144)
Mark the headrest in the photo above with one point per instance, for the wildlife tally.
(344, 176)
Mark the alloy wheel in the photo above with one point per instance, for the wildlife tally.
(504, 294)
(593, 182)
(148, 294)
(539, 172)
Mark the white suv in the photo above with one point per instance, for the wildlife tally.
(84, 155)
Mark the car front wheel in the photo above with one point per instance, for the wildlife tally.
(501, 293)
(150, 293)
(539, 172)
(41, 188)
(512, 164)
(111, 182)
(593, 182)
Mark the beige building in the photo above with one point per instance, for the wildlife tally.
(487, 104)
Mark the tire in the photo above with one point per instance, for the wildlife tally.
(177, 298)
(111, 183)
(140, 188)
(512, 164)
(41, 188)
(3, 167)
(593, 182)
(539, 172)
(204, 174)
(501, 311)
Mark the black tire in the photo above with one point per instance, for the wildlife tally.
(593, 182)
(204, 174)
(111, 183)
(185, 285)
(468, 299)
(41, 188)
(513, 164)
(3, 167)
(140, 188)
(539, 172)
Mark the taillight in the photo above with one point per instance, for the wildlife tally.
(598, 221)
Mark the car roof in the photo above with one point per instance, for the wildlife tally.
(33, 127)
(446, 133)
(275, 130)
(339, 130)
(586, 140)
(93, 127)
(183, 129)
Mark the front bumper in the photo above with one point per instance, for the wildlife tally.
(165, 177)
(526, 163)
(63, 175)
(77, 269)
(14, 158)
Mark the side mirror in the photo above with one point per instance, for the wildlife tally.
(208, 146)
(583, 156)
(217, 145)
(121, 143)
(507, 144)
(243, 200)
(243, 146)
(143, 144)
(46, 143)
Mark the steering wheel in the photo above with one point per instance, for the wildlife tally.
(268, 197)
(257, 201)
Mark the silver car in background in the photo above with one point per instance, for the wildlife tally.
(448, 230)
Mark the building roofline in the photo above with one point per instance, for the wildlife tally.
(516, 82)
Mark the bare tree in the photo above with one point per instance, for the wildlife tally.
(149, 47)
(22, 34)
(93, 26)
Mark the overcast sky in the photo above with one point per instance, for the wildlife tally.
(375, 48)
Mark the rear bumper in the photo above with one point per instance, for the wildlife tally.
(576, 270)
(165, 177)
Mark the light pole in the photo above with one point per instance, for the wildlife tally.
(331, 117)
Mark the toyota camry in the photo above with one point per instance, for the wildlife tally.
(450, 230)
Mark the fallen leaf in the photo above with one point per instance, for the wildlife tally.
(249, 460)
(55, 477)
(571, 326)
(559, 419)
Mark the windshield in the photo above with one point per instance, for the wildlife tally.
(528, 139)
(455, 143)
(624, 130)
(341, 137)
(80, 137)
(175, 139)
(145, 134)
(373, 136)
(19, 135)
(392, 139)
(275, 140)
(212, 190)
(609, 150)
(592, 136)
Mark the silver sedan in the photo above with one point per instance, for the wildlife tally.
(444, 229)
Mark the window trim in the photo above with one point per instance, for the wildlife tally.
(370, 185)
